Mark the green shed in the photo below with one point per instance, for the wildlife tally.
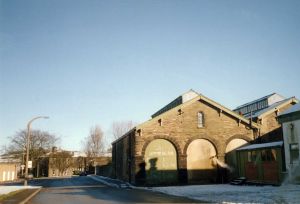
(262, 163)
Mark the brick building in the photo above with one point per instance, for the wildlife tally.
(185, 142)
(264, 112)
(8, 171)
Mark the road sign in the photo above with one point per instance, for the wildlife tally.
(29, 164)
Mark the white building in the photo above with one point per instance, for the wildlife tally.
(290, 120)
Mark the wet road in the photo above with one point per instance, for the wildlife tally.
(84, 189)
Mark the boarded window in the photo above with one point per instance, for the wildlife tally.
(200, 119)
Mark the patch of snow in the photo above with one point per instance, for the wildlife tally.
(8, 189)
(225, 193)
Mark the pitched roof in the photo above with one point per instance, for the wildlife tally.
(186, 103)
(261, 146)
(291, 114)
(256, 100)
(189, 95)
(209, 101)
(293, 109)
(249, 109)
(274, 107)
(227, 110)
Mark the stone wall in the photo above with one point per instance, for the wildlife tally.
(270, 128)
(180, 127)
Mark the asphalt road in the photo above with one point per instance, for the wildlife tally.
(85, 190)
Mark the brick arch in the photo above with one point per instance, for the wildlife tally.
(244, 137)
(169, 139)
(211, 140)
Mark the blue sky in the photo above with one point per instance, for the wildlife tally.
(94, 62)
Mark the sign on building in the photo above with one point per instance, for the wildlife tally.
(29, 164)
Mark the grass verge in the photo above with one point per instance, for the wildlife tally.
(8, 195)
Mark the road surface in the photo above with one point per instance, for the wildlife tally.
(76, 190)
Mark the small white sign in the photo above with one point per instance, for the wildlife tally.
(22, 166)
(29, 164)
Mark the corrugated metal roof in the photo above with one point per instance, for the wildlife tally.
(262, 146)
(294, 108)
(260, 112)
(254, 101)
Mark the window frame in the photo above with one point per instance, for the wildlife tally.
(202, 123)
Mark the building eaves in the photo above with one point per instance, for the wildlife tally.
(123, 136)
(176, 102)
(200, 97)
(291, 114)
(210, 101)
(274, 107)
(293, 109)
(227, 110)
(261, 146)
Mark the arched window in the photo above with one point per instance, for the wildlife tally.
(200, 119)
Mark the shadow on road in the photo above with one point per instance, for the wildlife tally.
(87, 190)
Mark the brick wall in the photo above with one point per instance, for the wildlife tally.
(181, 128)
(270, 128)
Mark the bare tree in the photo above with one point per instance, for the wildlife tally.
(93, 143)
(40, 143)
(61, 161)
(121, 127)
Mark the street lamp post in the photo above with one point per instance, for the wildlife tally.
(27, 146)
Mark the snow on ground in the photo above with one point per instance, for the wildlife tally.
(8, 189)
(225, 193)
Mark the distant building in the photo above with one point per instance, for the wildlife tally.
(65, 163)
(9, 168)
(290, 120)
(186, 141)
(59, 163)
(264, 112)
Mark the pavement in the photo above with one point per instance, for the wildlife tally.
(94, 190)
